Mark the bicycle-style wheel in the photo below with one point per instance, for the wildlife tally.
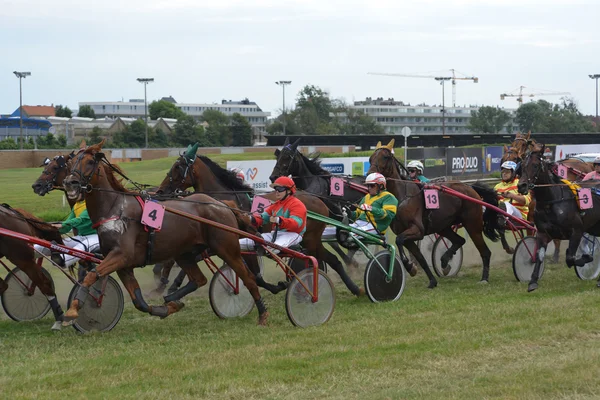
(299, 306)
(378, 286)
(439, 249)
(523, 261)
(223, 300)
(18, 303)
(99, 317)
(590, 270)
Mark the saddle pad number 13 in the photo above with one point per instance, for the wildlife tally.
(432, 199)
(585, 198)
(153, 215)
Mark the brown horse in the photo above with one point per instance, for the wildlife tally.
(206, 176)
(413, 221)
(557, 215)
(53, 175)
(21, 254)
(126, 245)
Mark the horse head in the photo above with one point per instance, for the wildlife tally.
(531, 167)
(383, 161)
(84, 174)
(180, 176)
(53, 175)
(287, 160)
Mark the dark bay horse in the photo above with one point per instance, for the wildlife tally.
(125, 243)
(21, 254)
(205, 176)
(557, 215)
(53, 175)
(308, 175)
(413, 221)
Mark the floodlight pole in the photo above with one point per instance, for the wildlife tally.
(22, 75)
(145, 81)
(282, 84)
(596, 76)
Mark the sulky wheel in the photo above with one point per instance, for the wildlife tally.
(524, 259)
(377, 285)
(20, 302)
(439, 248)
(223, 299)
(99, 317)
(590, 270)
(301, 310)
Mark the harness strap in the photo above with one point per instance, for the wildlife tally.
(103, 221)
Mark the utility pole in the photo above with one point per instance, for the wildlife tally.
(596, 76)
(282, 84)
(145, 81)
(442, 81)
(22, 75)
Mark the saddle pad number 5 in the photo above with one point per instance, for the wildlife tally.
(432, 199)
(562, 171)
(337, 187)
(153, 215)
(259, 204)
(585, 198)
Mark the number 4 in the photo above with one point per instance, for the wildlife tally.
(153, 215)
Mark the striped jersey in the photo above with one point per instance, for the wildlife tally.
(511, 187)
(384, 209)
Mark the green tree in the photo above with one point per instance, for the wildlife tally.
(543, 116)
(64, 112)
(350, 121)
(86, 111)
(275, 127)
(188, 131)
(160, 139)
(488, 120)
(313, 109)
(47, 142)
(61, 141)
(241, 131)
(218, 132)
(96, 135)
(164, 109)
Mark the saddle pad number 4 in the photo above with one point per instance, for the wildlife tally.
(563, 171)
(153, 215)
(259, 204)
(337, 187)
(585, 198)
(432, 199)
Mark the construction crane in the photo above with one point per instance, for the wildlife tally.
(442, 79)
(518, 93)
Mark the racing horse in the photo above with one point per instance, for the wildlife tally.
(21, 254)
(308, 175)
(53, 175)
(557, 214)
(205, 176)
(413, 221)
(125, 244)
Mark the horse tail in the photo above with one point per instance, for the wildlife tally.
(491, 227)
(42, 229)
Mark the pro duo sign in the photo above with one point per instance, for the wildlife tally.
(464, 161)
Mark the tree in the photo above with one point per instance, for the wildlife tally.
(95, 135)
(350, 121)
(61, 141)
(488, 120)
(543, 116)
(164, 109)
(86, 111)
(312, 113)
(61, 111)
(188, 131)
(218, 132)
(241, 131)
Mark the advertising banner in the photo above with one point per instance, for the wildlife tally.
(433, 159)
(493, 156)
(464, 161)
(570, 150)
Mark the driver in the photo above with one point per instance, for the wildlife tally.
(595, 174)
(86, 238)
(511, 201)
(287, 212)
(415, 171)
(378, 206)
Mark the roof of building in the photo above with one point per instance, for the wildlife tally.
(36, 111)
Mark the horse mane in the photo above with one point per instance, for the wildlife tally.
(314, 164)
(115, 182)
(228, 178)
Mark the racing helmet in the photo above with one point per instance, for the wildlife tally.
(375, 179)
(239, 174)
(509, 165)
(597, 161)
(285, 182)
(416, 164)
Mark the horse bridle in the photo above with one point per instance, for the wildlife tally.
(61, 163)
(293, 153)
(84, 180)
(397, 163)
(539, 167)
(188, 169)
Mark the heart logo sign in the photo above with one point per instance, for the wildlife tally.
(253, 172)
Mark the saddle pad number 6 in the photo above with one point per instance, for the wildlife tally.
(432, 199)
(585, 198)
(153, 215)
(337, 187)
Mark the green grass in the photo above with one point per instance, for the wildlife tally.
(462, 340)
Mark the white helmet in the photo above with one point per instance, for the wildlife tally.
(509, 165)
(597, 160)
(239, 174)
(416, 164)
(375, 179)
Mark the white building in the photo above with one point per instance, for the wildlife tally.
(421, 119)
(134, 108)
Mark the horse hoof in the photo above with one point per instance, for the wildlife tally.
(283, 285)
(432, 285)
(509, 250)
(532, 287)
(175, 306)
(262, 319)
(483, 282)
(57, 326)
(446, 270)
(3, 286)
(361, 292)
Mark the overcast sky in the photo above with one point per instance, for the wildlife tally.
(204, 51)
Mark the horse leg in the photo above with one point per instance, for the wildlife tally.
(348, 258)
(414, 249)
(177, 282)
(161, 275)
(253, 265)
(133, 288)
(457, 242)
(3, 286)
(236, 263)
(400, 240)
(556, 251)
(505, 245)
(321, 254)
(475, 231)
(574, 242)
(41, 281)
(187, 262)
(541, 244)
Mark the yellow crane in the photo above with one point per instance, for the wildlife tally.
(439, 78)
(519, 94)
